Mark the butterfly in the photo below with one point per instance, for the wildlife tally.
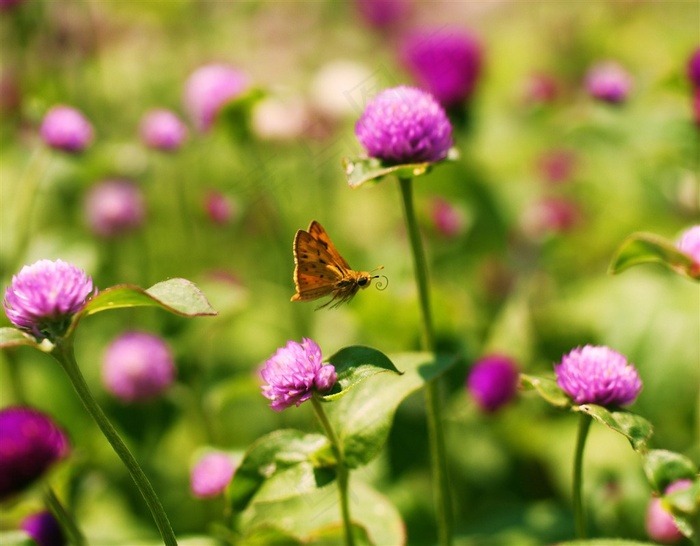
(320, 270)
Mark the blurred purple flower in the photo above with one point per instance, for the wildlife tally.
(44, 529)
(447, 218)
(30, 443)
(445, 62)
(163, 130)
(404, 125)
(219, 207)
(696, 106)
(689, 244)
(694, 68)
(65, 128)
(211, 475)
(44, 296)
(550, 215)
(541, 89)
(208, 89)
(294, 372)
(659, 523)
(137, 367)
(114, 207)
(598, 375)
(609, 82)
(493, 382)
(383, 14)
(556, 166)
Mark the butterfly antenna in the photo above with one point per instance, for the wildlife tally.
(381, 285)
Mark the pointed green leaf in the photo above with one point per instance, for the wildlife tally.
(363, 417)
(663, 467)
(641, 248)
(355, 364)
(547, 388)
(634, 427)
(12, 337)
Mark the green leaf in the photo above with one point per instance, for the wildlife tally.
(355, 364)
(279, 465)
(641, 248)
(663, 467)
(634, 427)
(16, 538)
(369, 169)
(363, 417)
(684, 505)
(547, 388)
(606, 542)
(12, 337)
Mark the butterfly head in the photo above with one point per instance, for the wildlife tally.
(365, 279)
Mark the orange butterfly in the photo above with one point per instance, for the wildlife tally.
(320, 270)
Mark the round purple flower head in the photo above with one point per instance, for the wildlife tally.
(294, 372)
(493, 382)
(609, 82)
(30, 442)
(44, 296)
(44, 529)
(114, 207)
(598, 375)
(211, 475)
(65, 128)
(208, 89)
(404, 125)
(659, 523)
(447, 63)
(162, 130)
(690, 245)
(137, 366)
(694, 68)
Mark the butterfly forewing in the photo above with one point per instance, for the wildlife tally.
(317, 232)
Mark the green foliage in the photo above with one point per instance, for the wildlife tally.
(641, 248)
(663, 467)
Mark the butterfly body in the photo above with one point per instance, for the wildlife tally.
(320, 270)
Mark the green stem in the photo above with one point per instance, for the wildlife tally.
(579, 518)
(438, 455)
(63, 353)
(342, 470)
(65, 520)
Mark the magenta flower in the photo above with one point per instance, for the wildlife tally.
(694, 68)
(219, 207)
(690, 243)
(446, 63)
(493, 382)
(208, 89)
(294, 373)
(550, 215)
(556, 166)
(447, 218)
(44, 296)
(44, 529)
(114, 207)
(609, 82)
(137, 367)
(65, 128)
(598, 375)
(404, 125)
(163, 130)
(541, 88)
(211, 475)
(30, 443)
(659, 523)
(382, 14)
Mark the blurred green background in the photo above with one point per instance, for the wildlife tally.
(499, 285)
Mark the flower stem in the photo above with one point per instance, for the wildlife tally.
(65, 520)
(579, 518)
(63, 353)
(438, 456)
(343, 473)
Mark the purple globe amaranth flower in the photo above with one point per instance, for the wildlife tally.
(493, 382)
(65, 128)
(694, 68)
(445, 62)
(44, 529)
(219, 207)
(404, 125)
(30, 443)
(294, 373)
(208, 89)
(138, 366)
(162, 130)
(447, 218)
(211, 475)
(659, 522)
(598, 375)
(609, 82)
(44, 296)
(114, 207)
(689, 244)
